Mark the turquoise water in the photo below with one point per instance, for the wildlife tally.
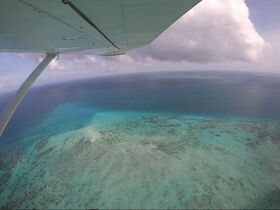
(155, 142)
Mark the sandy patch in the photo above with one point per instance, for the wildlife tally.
(92, 133)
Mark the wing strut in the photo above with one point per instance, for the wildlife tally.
(13, 104)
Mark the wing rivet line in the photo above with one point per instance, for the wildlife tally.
(82, 15)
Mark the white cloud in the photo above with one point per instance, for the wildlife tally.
(55, 65)
(213, 31)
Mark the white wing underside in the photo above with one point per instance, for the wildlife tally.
(50, 26)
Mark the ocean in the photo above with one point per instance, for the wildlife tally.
(145, 141)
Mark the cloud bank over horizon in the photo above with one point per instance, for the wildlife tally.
(213, 31)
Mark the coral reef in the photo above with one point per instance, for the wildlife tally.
(147, 160)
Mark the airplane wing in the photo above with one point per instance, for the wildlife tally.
(103, 27)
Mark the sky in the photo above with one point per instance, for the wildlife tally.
(225, 35)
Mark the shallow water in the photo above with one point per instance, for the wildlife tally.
(147, 149)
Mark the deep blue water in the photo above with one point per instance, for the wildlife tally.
(213, 93)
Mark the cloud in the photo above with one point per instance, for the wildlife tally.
(213, 31)
(55, 65)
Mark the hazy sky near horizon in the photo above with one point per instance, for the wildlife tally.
(227, 35)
